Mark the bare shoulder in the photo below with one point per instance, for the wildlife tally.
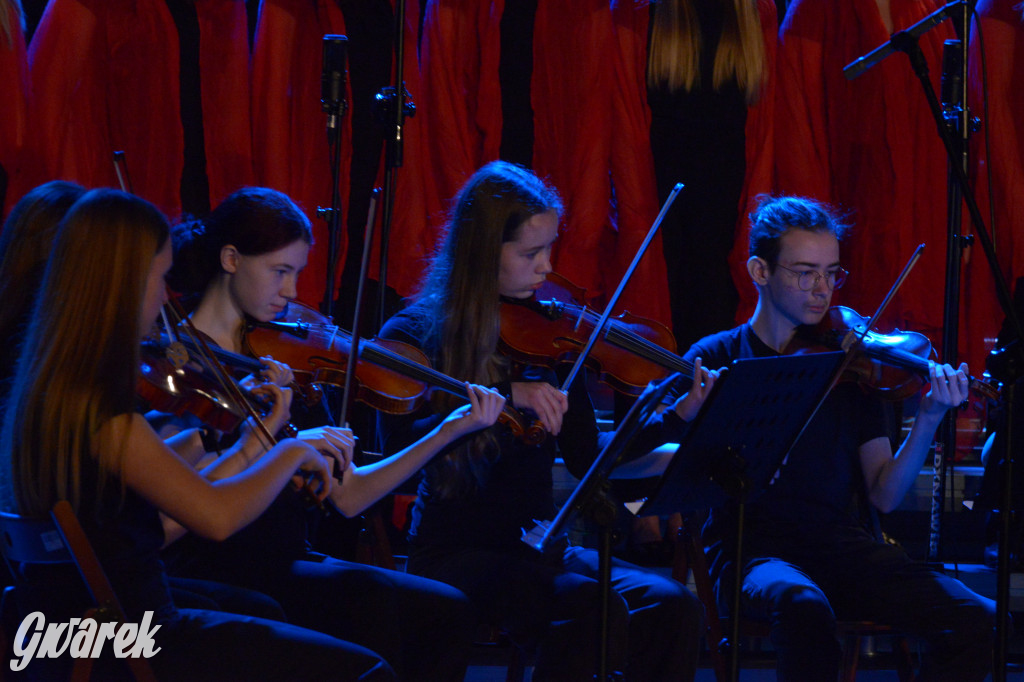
(129, 430)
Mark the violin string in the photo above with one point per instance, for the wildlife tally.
(389, 359)
(643, 347)
(649, 350)
(228, 384)
(167, 325)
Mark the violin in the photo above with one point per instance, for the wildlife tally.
(893, 365)
(309, 394)
(185, 389)
(179, 386)
(630, 353)
(390, 376)
(248, 404)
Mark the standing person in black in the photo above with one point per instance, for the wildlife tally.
(478, 496)
(709, 62)
(808, 558)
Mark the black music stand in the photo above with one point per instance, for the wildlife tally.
(753, 417)
(590, 500)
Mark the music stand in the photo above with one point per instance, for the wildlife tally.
(590, 500)
(751, 420)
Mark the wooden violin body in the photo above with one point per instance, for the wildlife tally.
(185, 389)
(317, 355)
(630, 353)
(390, 376)
(893, 365)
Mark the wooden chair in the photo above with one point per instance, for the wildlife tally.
(689, 557)
(60, 539)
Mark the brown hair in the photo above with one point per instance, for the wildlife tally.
(459, 299)
(80, 360)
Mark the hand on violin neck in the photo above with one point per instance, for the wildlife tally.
(276, 372)
(280, 401)
(544, 400)
(948, 388)
(689, 404)
(485, 405)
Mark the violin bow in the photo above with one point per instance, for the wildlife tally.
(209, 358)
(353, 355)
(599, 326)
(124, 180)
(850, 348)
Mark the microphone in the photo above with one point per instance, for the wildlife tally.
(858, 66)
(332, 79)
(952, 82)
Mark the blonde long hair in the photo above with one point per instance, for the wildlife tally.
(11, 19)
(676, 43)
(80, 358)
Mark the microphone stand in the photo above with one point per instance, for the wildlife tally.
(906, 42)
(959, 125)
(333, 102)
(393, 105)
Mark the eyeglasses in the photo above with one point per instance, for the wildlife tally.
(808, 279)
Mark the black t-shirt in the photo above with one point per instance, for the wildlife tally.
(815, 499)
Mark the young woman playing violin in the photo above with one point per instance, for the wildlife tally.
(25, 245)
(808, 557)
(475, 501)
(242, 262)
(70, 432)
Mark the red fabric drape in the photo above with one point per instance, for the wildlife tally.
(16, 133)
(290, 142)
(419, 208)
(1003, 29)
(291, 151)
(106, 78)
(869, 146)
(574, 84)
(632, 166)
(761, 149)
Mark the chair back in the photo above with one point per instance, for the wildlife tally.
(31, 540)
(60, 539)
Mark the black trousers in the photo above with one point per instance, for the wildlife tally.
(802, 593)
(421, 627)
(655, 623)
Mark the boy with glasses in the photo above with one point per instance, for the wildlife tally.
(808, 558)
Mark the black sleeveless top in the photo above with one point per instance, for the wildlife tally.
(126, 535)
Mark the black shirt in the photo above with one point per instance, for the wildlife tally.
(518, 489)
(816, 497)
